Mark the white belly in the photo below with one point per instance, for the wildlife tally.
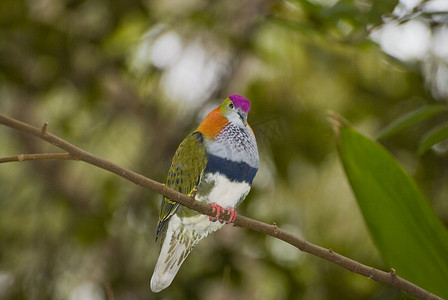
(224, 192)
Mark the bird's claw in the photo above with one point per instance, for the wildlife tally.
(219, 210)
(232, 214)
(216, 209)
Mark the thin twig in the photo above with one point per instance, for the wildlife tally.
(37, 156)
(44, 128)
(76, 153)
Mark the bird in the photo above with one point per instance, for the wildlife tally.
(216, 164)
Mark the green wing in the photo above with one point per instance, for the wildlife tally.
(187, 165)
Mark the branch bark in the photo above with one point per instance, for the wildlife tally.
(75, 153)
(37, 156)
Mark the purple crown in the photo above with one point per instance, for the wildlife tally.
(241, 102)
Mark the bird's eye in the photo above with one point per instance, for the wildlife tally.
(231, 105)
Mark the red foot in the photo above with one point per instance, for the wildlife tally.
(219, 210)
(215, 209)
(232, 214)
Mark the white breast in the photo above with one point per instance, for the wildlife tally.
(225, 193)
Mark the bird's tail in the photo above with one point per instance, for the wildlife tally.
(175, 250)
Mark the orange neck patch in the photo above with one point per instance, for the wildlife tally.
(213, 123)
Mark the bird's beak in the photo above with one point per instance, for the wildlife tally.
(243, 117)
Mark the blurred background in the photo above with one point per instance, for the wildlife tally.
(128, 80)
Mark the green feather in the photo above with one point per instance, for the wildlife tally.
(186, 169)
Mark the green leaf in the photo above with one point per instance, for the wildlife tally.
(407, 233)
(433, 137)
(419, 115)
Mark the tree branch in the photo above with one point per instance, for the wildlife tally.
(75, 153)
(39, 156)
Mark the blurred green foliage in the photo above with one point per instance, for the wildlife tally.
(398, 216)
(417, 116)
(91, 69)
